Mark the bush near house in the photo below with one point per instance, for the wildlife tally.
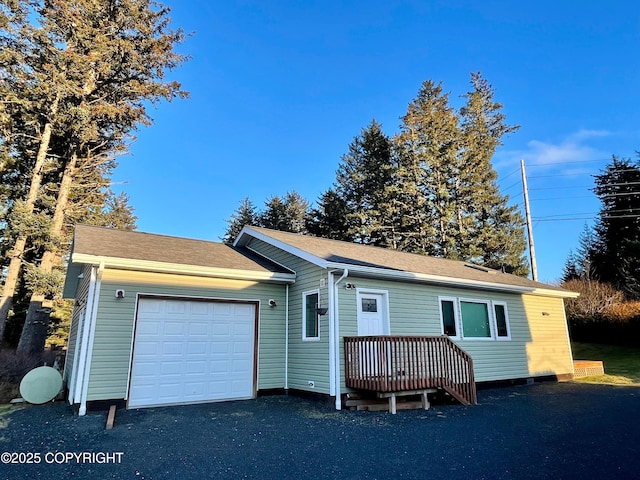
(14, 366)
(601, 314)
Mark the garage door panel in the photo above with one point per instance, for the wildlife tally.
(197, 348)
(176, 308)
(222, 309)
(201, 308)
(199, 328)
(174, 328)
(191, 351)
(150, 306)
(170, 368)
(172, 348)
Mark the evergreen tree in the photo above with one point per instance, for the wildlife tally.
(364, 182)
(286, 214)
(571, 268)
(246, 214)
(428, 162)
(489, 230)
(616, 256)
(81, 74)
(329, 219)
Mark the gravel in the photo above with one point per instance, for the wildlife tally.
(540, 431)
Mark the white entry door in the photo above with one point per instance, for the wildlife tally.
(189, 351)
(372, 314)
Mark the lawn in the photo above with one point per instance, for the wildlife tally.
(621, 364)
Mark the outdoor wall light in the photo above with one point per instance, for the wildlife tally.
(349, 286)
(545, 314)
(119, 293)
(272, 303)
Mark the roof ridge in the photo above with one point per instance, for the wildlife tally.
(159, 235)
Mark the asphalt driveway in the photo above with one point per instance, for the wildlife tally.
(542, 431)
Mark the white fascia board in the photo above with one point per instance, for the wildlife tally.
(241, 240)
(180, 269)
(399, 275)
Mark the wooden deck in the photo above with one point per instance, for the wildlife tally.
(393, 364)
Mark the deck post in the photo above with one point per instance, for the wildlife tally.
(425, 400)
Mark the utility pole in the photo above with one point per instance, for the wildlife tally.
(532, 250)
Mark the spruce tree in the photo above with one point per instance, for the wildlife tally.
(616, 256)
(286, 213)
(428, 145)
(329, 219)
(364, 182)
(245, 214)
(489, 230)
(82, 74)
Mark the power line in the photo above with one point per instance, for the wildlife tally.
(510, 174)
(566, 163)
(561, 198)
(560, 186)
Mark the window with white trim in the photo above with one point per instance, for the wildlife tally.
(310, 318)
(502, 321)
(474, 319)
(449, 317)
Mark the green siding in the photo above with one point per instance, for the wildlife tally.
(114, 324)
(538, 346)
(308, 360)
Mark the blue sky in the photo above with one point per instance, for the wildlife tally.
(279, 90)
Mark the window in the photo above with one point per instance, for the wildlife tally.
(502, 321)
(448, 315)
(310, 319)
(369, 305)
(474, 319)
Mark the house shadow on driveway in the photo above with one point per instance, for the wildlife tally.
(541, 431)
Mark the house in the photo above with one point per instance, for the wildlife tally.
(160, 320)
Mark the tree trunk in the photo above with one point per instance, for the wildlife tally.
(13, 272)
(34, 331)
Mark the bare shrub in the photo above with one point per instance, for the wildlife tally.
(596, 298)
(623, 312)
(14, 366)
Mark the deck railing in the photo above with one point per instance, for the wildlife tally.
(401, 363)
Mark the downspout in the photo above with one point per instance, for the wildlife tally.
(79, 360)
(336, 322)
(92, 332)
(286, 339)
(332, 336)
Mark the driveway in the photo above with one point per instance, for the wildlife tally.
(542, 431)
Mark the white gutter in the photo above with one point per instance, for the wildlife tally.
(180, 269)
(458, 282)
(336, 308)
(286, 338)
(89, 346)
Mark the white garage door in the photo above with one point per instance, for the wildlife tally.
(192, 351)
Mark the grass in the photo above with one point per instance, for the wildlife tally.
(621, 364)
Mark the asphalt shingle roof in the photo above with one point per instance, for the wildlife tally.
(368, 256)
(112, 243)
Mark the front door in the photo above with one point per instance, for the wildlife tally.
(372, 314)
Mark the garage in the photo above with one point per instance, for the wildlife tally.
(192, 351)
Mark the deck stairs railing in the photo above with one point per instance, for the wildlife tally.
(386, 364)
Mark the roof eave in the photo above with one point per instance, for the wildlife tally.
(401, 275)
(247, 233)
(181, 269)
